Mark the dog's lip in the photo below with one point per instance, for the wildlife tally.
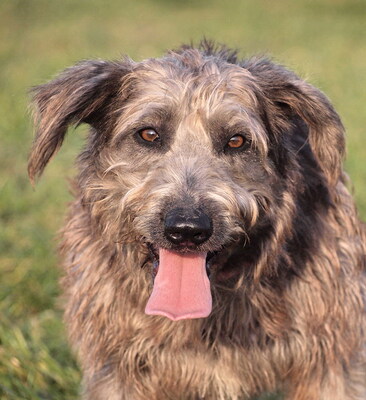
(219, 268)
(154, 255)
(212, 257)
(152, 251)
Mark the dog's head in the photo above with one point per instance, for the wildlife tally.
(211, 162)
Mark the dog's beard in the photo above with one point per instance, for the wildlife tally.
(181, 286)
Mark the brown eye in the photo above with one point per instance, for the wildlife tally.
(149, 135)
(236, 141)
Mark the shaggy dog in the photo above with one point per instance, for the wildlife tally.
(213, 250)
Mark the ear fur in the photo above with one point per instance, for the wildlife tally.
(326, 132)
(76, 96)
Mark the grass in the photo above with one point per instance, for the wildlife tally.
(323, 40)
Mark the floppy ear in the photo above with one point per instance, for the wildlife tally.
(326, 132)
(78, 95)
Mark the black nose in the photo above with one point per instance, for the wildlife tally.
(187, 226)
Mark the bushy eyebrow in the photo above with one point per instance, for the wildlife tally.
(232, 120)
(153, 115)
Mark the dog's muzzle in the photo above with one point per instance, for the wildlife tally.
(181, 286)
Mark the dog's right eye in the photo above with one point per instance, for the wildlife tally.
(236, 142)
(149, 135)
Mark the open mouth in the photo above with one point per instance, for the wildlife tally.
(182, 288)
(154, 257)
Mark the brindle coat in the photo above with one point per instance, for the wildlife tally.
(287, 251)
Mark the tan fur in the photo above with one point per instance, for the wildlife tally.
(291, 318)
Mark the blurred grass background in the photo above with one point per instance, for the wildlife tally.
(324, 41)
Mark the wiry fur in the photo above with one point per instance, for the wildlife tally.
(288, 278)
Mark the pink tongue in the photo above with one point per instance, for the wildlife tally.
(181, 287)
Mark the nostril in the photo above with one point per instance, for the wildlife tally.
(176, 236)
(185, 226)
(200, 236)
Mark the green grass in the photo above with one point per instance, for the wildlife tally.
(322, 40)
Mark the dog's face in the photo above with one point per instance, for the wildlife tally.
(195, 156)
(198, 147)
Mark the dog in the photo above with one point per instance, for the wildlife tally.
(213, 250)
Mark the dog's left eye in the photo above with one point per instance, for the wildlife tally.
(149, 135)
(236, 142)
